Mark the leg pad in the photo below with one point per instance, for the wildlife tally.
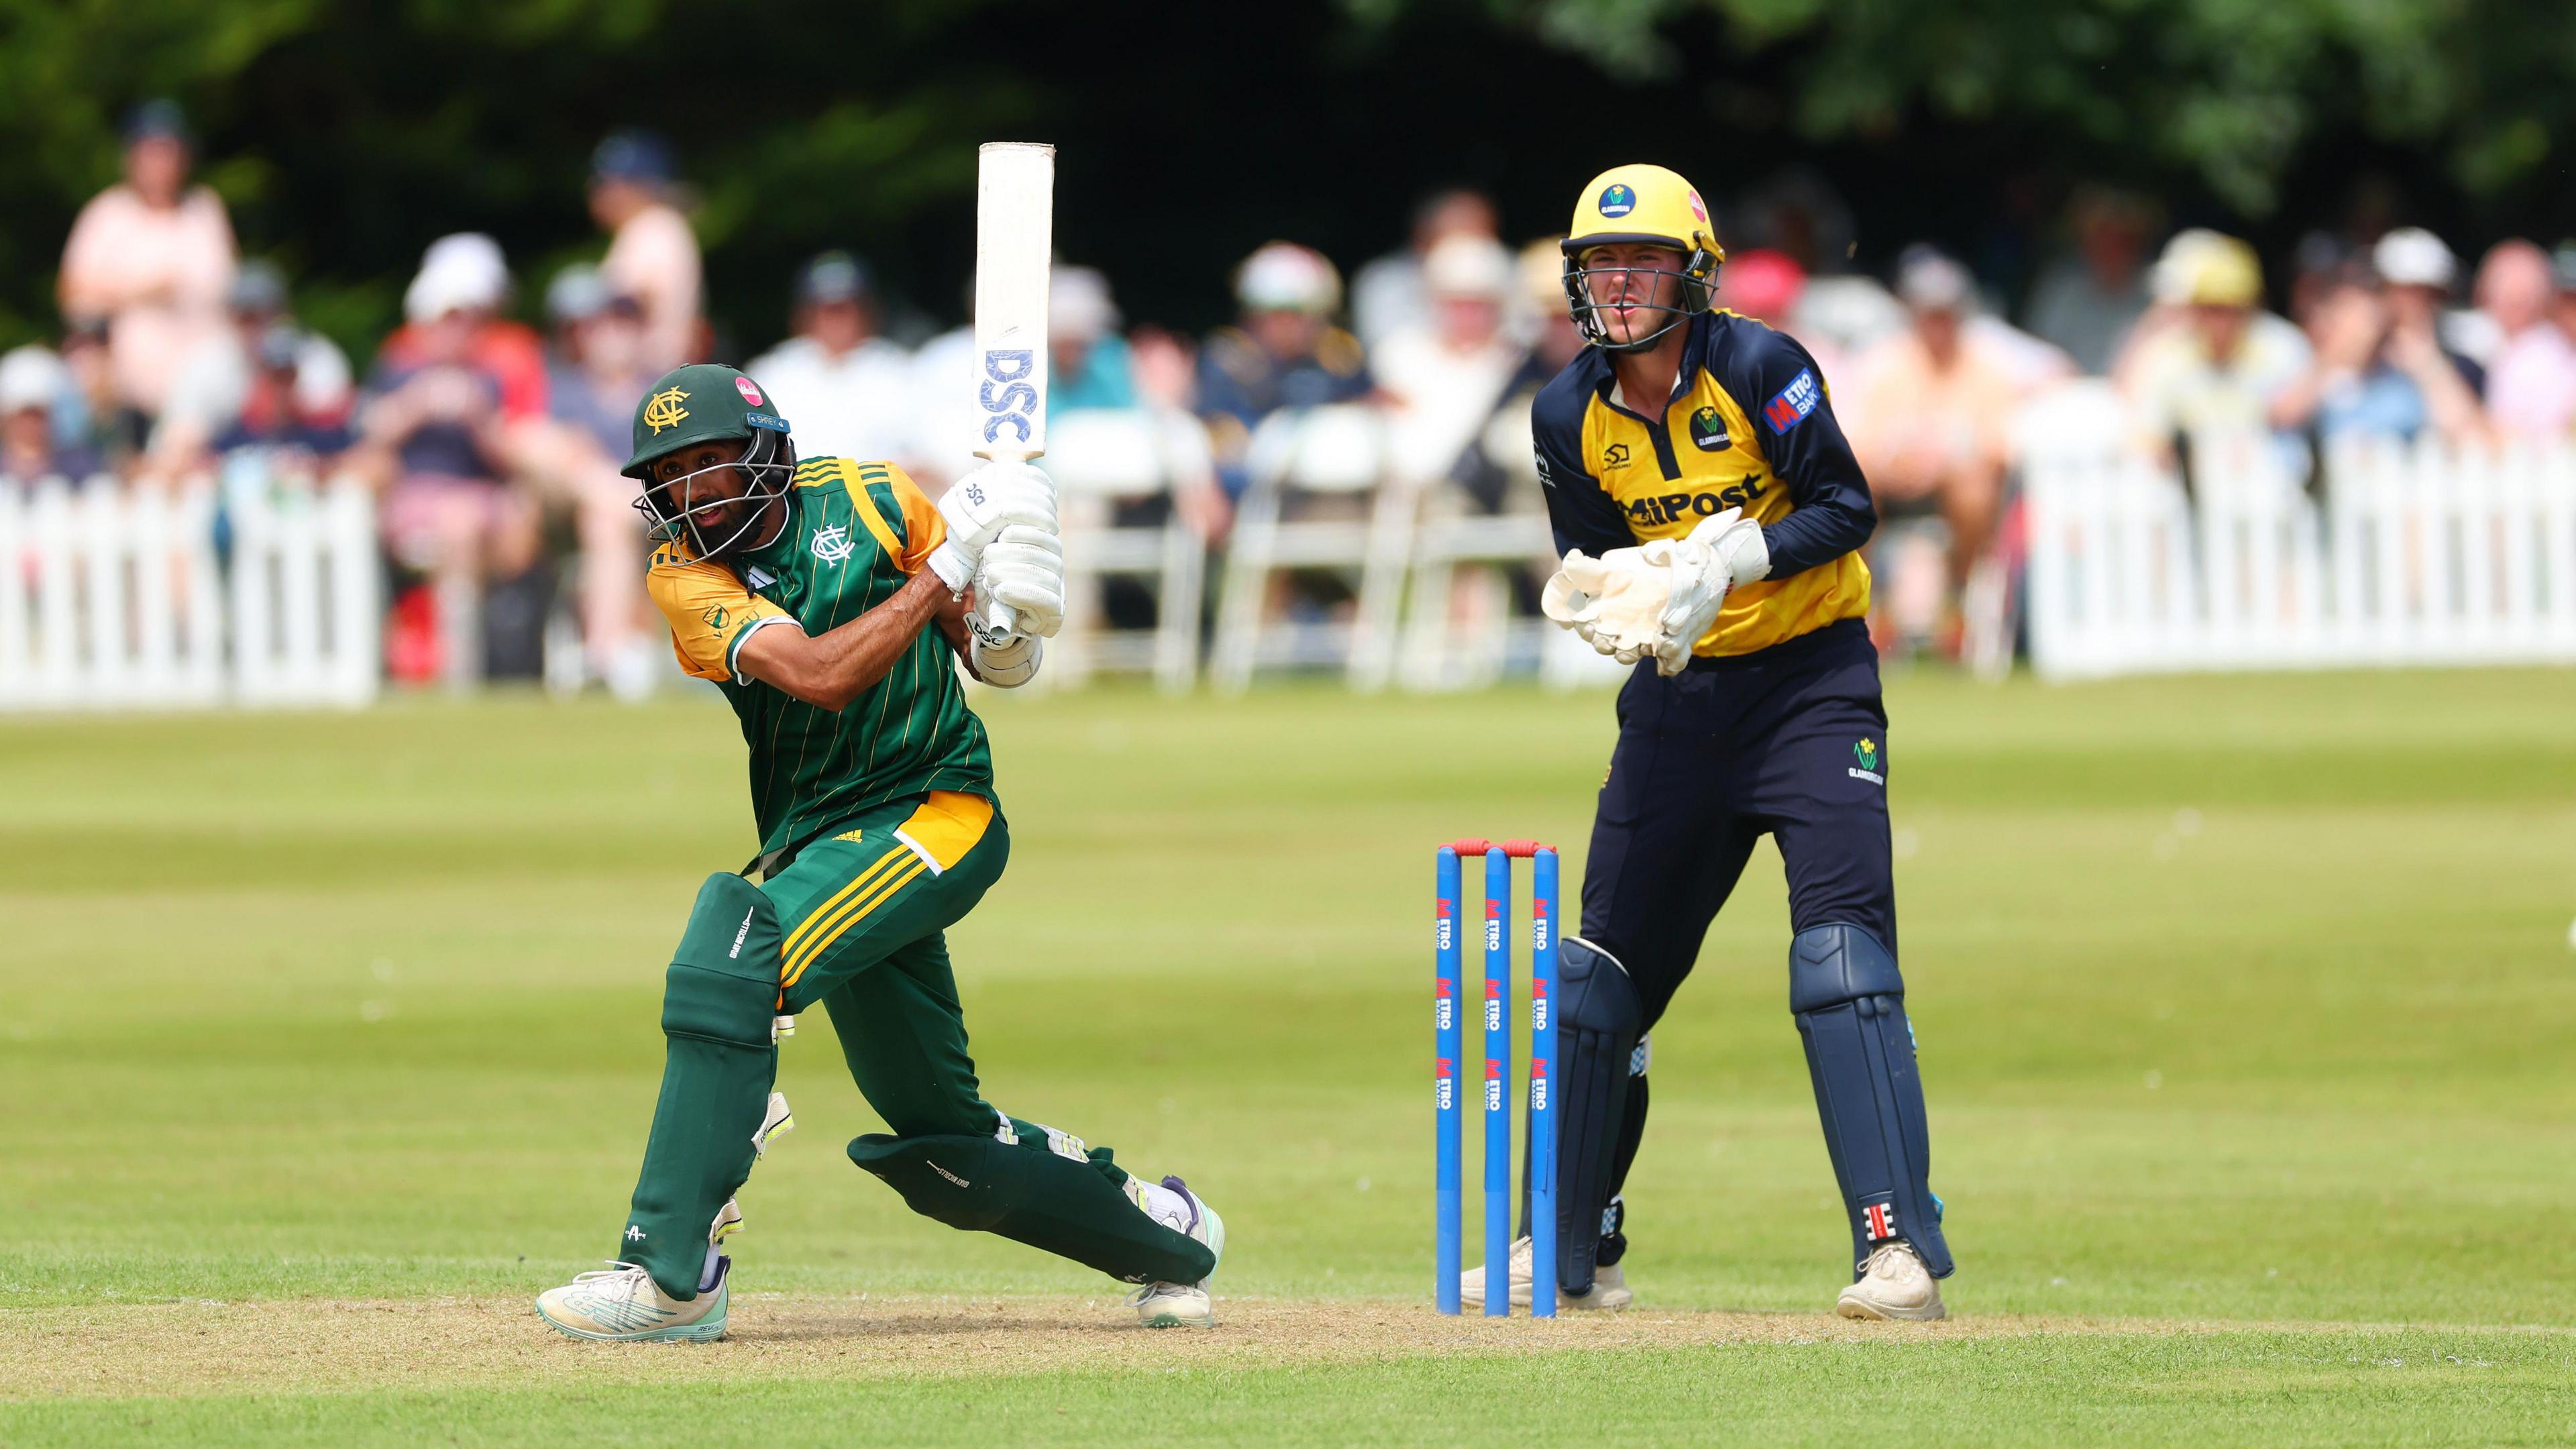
(1850, 1004)
(1600, 1022)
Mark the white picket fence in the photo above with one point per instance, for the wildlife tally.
(112, 599)
(2393, 555)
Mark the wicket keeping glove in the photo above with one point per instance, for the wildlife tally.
(1023, 567)
(1008, 665)
(1725, 550)
(1615, 603)
(978, 506)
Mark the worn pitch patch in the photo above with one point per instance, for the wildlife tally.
(325, 1345)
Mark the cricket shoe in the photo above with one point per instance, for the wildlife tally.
(1609, 1286)
(1177, 1305)
(1893, 1284)
(622, 1304)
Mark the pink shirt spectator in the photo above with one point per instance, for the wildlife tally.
(653, 258)
(157, 275)
(2531, 386)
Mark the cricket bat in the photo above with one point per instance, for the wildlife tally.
(1014, 238)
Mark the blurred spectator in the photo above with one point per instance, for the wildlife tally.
(32, 382)
(1166, 367)
(1089, 364)
(2207, 357)
(216, 380)
(1389, 295)
(1446, 372)
(1927, 410)
(2317, 268)
(445, 389)
(89, 416)
(652, 253)
(1764, 285)
(1286, 353)
(2369, 380)
(1487, 472)
(278, 417)
(151, 255)
(2416, 273)
(2531, 379)
(2563, 309)
(847, 392)
(1799, 214)
(2087, 301)
(571, 457)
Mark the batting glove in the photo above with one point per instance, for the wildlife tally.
(1008, 665)
(978, 506)
(1023, 567)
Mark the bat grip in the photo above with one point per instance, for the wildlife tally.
(994, 629)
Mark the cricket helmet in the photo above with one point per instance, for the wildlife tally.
(1640, 205)
(707, 402)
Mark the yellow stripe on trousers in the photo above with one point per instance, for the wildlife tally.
(815, 918)
(857, 912)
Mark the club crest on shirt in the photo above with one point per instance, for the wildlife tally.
(832, 545)
(1708, 431)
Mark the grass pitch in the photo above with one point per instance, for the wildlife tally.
(2245, 1007)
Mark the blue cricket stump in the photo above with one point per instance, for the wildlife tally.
(1448, 1044)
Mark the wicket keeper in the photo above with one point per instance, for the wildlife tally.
(1710, 516)
(827, 599)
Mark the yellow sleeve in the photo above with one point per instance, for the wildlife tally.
(709, 610)
(923, 528)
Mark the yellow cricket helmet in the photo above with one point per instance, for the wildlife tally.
(1641, 205)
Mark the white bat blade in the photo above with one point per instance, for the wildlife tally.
(1014, 237)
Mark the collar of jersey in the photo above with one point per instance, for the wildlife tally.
(1695, 346)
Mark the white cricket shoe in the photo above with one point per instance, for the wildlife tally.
(1893, 1284)
(1609, 1285)
(1177, 1305)
(622, 1304)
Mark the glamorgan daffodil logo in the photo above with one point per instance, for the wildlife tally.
(663, 410)
(1867, 753)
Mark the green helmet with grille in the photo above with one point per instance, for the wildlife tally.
(707, 402)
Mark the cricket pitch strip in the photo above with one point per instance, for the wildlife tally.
(309, 1345)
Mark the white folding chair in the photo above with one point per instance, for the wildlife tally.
(1099, 459)
(1297, 460)
(1438, 652)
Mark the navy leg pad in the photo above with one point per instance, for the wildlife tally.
(1600, 1018)
(1850, 1005)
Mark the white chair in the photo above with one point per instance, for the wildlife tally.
(1302, 460)
(1438, 653)
(1100, 459)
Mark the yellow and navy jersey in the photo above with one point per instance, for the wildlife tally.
(856, 532)
(1749, 425)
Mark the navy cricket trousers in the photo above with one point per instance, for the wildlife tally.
(1789, 740)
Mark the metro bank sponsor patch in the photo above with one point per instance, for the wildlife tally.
(1795, 401)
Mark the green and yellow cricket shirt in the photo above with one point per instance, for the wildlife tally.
(855, 533)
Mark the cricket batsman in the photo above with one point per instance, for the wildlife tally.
(828, 599)
(1710, 516)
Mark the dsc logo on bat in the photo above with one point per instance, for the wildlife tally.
(1009, 394)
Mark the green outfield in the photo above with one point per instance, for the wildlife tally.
(2246, 1008)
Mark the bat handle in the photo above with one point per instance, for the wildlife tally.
(994, 629)
(999, 620)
